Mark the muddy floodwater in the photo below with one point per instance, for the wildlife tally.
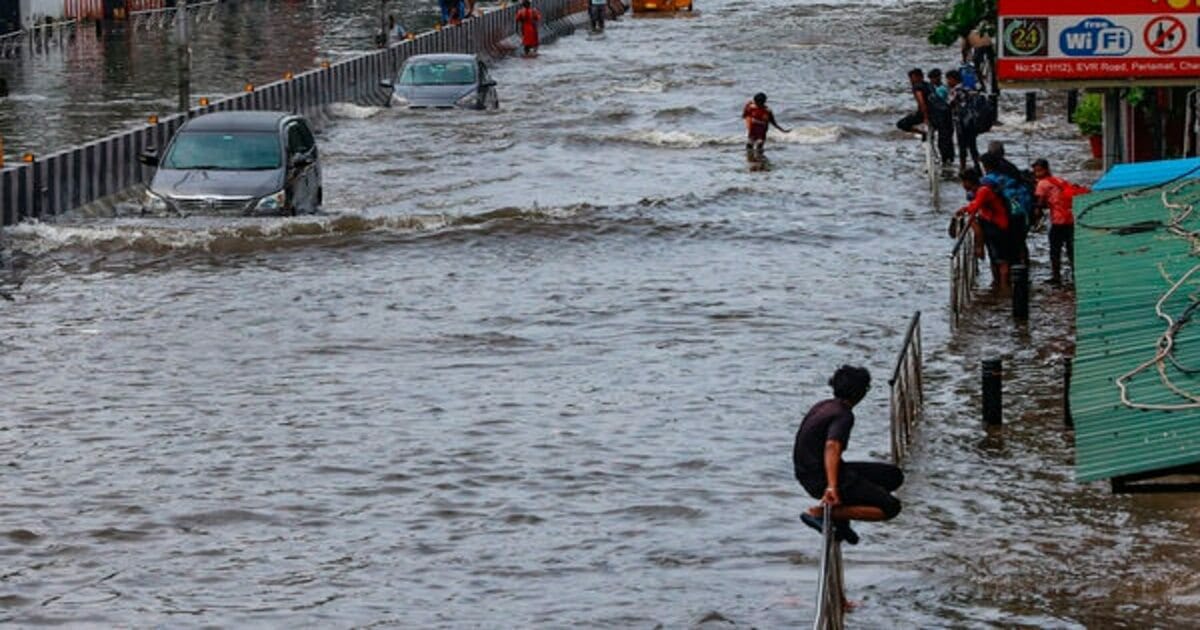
(543, 367)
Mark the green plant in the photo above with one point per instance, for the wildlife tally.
(1136, 97)
(1089, 115)
(964, 17)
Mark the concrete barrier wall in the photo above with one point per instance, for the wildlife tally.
(69, 179)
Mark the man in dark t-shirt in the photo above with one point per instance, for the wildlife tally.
(856, 490)
(921, 93)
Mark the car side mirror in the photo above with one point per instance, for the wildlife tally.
(149, 157)
(387, 84)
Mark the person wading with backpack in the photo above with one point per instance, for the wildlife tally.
(991, 214)
(1017, 197)
(963, 124)
(940, 117)
(1057, 195)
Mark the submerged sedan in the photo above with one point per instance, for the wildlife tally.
(444, 81)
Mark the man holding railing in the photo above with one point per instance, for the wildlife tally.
(856, 490)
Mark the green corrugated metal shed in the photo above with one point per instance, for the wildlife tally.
(1120, 276)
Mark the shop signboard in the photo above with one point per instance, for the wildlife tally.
(1094, 42)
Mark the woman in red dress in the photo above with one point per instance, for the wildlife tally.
(528, 19)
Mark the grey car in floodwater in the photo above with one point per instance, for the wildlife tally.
(444, 81)
(238, 163)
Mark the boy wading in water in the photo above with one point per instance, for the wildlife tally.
(758, 118)
(860, 491)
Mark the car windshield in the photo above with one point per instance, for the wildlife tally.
(439, 73)
(237, 151)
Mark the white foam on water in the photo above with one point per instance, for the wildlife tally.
(810, 135)
(650, 86)
(694, 140)
(676, 139)
(351, 111)
(868, 107)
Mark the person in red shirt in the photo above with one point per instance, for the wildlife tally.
(1056, 194)
(528, 20)
(758, 119)
(992, 217)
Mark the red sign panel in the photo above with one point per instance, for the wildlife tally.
(1088, 41)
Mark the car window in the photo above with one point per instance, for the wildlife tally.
(239, 151)
(439, 73)
(300, 139)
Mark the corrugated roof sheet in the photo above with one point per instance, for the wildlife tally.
(1120, 276)
(1144, 174)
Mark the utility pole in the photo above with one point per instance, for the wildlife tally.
(183, 41)
(382, 39)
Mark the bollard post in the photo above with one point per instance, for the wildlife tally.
(1030, 106)
(1068, 368)
(993, 410)
(1020, 293)
(184, 53)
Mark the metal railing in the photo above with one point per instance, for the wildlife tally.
(47, 186)
(831, 591)
(164, 18)
(964, 269)
(933, 166)
(39, 37)
(907, 393)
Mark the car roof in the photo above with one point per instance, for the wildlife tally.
(237, 121)
(441, 57)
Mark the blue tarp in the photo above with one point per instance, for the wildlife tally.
(1148, 174)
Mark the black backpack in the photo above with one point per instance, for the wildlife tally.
(939, 110)
(977, 113)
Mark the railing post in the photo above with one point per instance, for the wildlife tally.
(830, 585)
(1020, 293)
(1068, 368)
(993, 374)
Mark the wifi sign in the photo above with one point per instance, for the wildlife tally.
(1096, 37)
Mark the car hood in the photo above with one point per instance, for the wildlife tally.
(434, 95)
(202, 183)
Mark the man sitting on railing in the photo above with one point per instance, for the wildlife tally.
(857, 490)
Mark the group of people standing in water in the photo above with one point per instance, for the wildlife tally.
(1005, 203)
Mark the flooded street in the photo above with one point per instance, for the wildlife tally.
(543, 367)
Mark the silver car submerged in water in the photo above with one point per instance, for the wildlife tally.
(239, 163)
(444, 81)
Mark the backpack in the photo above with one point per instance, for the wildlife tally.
(939, 110)
(977, 113)
(1069, 190)
(1016, 194)
(969, 79)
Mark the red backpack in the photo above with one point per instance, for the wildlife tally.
(1069, 190)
